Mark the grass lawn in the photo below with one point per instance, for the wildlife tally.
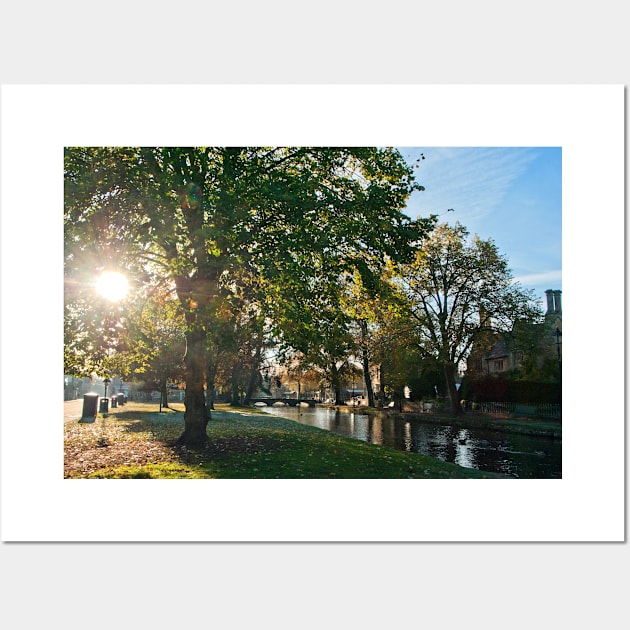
(137, 442)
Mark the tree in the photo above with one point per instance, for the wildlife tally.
(395, 348)
(153, 342)
(378, 312)
(361, 303)
(459, 289)
(320, 333)
(293, 216)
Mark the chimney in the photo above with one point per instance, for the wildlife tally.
(550, 295)
(557, 302)
(485, 320)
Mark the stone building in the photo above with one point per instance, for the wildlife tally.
(531, 344)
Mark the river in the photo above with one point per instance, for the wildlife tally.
(513, 454)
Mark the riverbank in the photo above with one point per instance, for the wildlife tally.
(136, 441)
(470, 419)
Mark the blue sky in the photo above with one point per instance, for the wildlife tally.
(510, 194)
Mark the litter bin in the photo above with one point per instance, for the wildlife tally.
(121, 399)
(90, 402)
(114, 401)
(103, 406)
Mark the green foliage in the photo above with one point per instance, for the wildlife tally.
(539, 359)
(93, 332)
(425, 380)
(155, 341)
(209, 219)
(459, 290)
(294, 216)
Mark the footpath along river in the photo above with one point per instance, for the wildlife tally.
(514, 454)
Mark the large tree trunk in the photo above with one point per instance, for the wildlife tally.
(368, 383)
(164, 393)
(210, 394)
(366, 365)
(209, 397)
(336, 384)
(210, 375)
(236, 388)
(251, 385)
(381, 392)
(449, 377)
(254, 377)
(196, 414)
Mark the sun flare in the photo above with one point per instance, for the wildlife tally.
(113, 286)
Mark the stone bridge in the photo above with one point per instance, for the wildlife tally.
(292, 402)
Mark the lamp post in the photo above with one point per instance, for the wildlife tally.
(104, 403)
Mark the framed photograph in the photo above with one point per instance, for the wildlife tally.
(533, 174)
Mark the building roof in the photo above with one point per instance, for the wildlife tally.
(498, 350)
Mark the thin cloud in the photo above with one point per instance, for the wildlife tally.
(552, 278)
(474, 181)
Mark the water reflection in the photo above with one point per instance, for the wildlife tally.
(507, 453)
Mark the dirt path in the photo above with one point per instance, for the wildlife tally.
(72, 409)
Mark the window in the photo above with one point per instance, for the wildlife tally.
(498, 366)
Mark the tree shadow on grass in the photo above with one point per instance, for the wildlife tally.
(165, 429)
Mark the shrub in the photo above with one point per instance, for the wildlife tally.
(501, 389)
